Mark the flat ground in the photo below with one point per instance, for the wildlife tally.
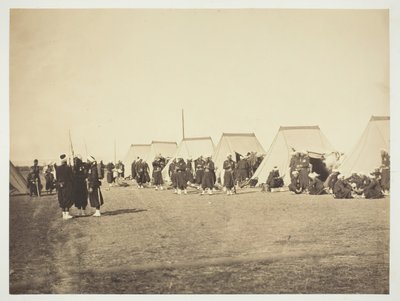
(151, 241)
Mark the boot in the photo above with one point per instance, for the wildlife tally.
(82, 213)
(209, 191)
(97, 213)
(156, 187)
(175, 191)
(184, 191)
(67, 216)
(179, 191)
(161, 188)
(202, 193)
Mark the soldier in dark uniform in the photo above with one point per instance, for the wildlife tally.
(95, 196)
(133, 169)
(331, 180)
(342, 189)
(199, 169)
(80, 190)
(189, 170)
(293, 163)
(110, 178)
(243, 168)
(316, 186)
(303, 167)
(172, 175)
(140, 173)
(274, 179)
(229, 181)
(181, 176)
(385, 171)
(295, 186)
(64, 177)
(35, 178)
(158, 166)
(374, 189)
(208, 178)
(49, 177)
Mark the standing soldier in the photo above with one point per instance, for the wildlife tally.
(303, 167)
(157, 176)
(189, 171)
(385, 171)
(65, 186)
(199, 169)
(95, 196)
(49, 177)
(35, 169)
(172, 175)
(229, 167)
(181, 179)
(242, 169)
(110, 177)
(133, 169)
(208, 178)
(80, 192)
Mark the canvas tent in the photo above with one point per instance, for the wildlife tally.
(235, 143)
(18, 184)
(289, 138)
(166, 148)
(136, 150)
(365, 156)
(191, 148)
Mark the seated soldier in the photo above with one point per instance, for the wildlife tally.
(374, 189)
(295, 186)
(342, 189)
(274, 180)
(316, 186)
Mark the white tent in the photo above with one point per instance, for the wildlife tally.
(135, 150)
(166, 148)
(301, 138)
(232, 143)
(191, 148)
(365, 156)
(18, 184)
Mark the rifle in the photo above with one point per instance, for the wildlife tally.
(37, 187)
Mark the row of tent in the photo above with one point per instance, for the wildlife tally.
(365, 156)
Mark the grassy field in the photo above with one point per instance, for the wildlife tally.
(151, 241)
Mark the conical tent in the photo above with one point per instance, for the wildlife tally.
(191, 148)
(136, 150)
(235, 143)
(289, 138)
(166, 148)
(18, 184)
(365, 156)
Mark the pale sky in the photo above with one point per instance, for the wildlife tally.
(126, 75)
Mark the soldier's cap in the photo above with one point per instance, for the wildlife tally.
(79, 156)
(63, 158)
(35, 161)
(275, 167)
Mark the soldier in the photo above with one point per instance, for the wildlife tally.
(133, 169)
(181, 176)
(189, 170)
(295, 186)
(385, 171)
(158, 166)
(316, 186)
(303, 167)
(95, 196)
(331, 180)
(64, 187)
(35, 177)
(243, 168)
(48, 171)
(274, 180)
(199, 169)
(374, 189)
(229, 181)
(80, 190)
(110, 177)
(172, 175)
(140, 173)
(342, 189)
(208, 178)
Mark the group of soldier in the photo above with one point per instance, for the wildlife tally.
(373, 185)
(75, 184)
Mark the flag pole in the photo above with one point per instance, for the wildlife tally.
(183, 125)
(71, 147)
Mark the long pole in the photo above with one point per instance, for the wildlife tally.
(71, 147)
(183, 125)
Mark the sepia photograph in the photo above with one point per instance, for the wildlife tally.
(199, 151)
